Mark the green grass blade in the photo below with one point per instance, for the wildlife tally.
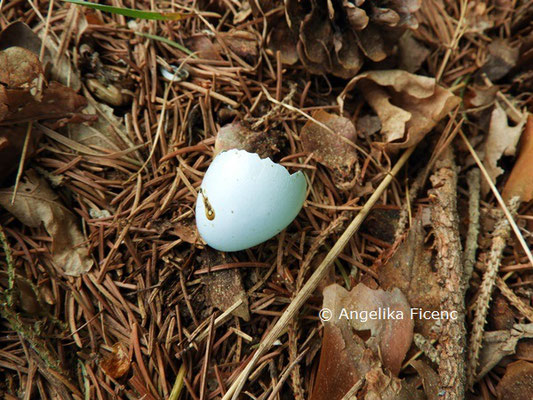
(167, 41)
(130, 12)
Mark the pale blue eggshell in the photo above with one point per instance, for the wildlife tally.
(253, 199)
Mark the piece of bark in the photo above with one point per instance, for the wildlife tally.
(445, 221)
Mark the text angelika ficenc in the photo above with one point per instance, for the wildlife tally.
(387, 313)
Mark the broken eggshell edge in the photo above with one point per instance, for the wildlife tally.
(245, 200)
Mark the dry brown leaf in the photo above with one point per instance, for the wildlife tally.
(520, 182)
(238, 135)
(101, 133)
(19, 34)
(408, 268)
(345, 358)
(223, 288)
(479, 96)
(392, 332)
(409, 106)
(501, 141)
(186, 230)
(330, 147)
(117, 363)
(517, 383)
(58, 101)
(23, 101)
(498, 344)
(37, 204)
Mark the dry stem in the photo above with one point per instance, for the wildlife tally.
(501, 233)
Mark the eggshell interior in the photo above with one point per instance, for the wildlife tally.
(253, 199)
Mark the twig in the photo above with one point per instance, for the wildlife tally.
(469, 257)
(426, 347)
(525, 309)
(314, 280)
(445, 221)
(501, 233)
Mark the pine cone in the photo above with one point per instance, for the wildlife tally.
(335, 36)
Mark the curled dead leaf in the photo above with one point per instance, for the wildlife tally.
(24, 97)
(520, 182)
(107, 132)
(391, 335)
(117, 363)
(57, 101)
(498, 344)
(345, 358)
(37, 204)
(19, 34)
(408, 106)
(501, 140)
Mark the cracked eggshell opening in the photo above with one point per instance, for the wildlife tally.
(245, 200)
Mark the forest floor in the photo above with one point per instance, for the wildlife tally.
(412, 123)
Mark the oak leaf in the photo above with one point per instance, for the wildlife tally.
(408, 106)
(501, 141)
(36, 204)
